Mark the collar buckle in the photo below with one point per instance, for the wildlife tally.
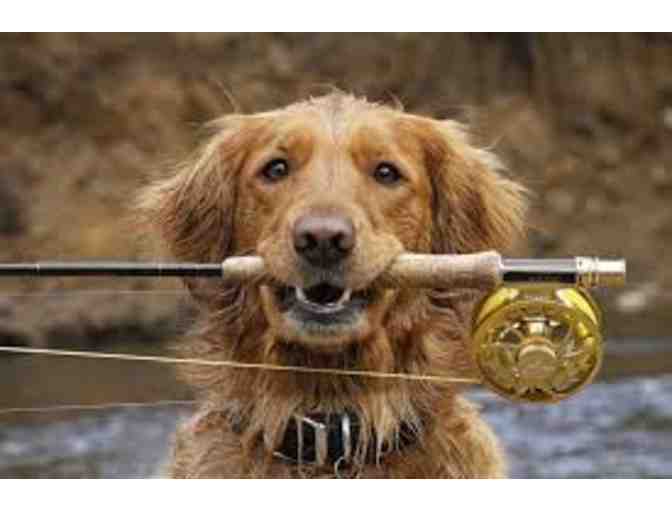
(307, 440)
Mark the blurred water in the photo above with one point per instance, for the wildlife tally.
(612, 429)
(128, 443)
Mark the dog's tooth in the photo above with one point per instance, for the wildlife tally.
(301, 295)
(345, 297)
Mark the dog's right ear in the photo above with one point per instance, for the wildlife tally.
(192, 208)
(476, 206)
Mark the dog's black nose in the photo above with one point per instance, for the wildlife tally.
(324, 239)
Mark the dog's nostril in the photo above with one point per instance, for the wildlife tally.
(305, 241)
(324, 240)
(344, 242)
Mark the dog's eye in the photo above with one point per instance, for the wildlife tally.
(387, 173)
(275, 170)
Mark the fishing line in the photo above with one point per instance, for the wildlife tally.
(195, 361)
(61, 293)
(93, 407)
(241, 365)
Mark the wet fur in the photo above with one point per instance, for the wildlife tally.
(211, 208)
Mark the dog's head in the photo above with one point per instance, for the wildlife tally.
(328, 192)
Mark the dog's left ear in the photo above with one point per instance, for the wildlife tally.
(475, 206)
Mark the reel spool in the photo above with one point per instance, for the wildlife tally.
(537, 343)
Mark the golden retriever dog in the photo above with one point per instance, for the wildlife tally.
(329, 191)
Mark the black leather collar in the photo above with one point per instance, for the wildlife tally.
(327, 439)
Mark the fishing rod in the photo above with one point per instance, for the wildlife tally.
(485, 270)
(536, 333)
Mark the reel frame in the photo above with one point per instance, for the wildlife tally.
(538, 343)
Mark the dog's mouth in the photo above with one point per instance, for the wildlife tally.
(322, 301)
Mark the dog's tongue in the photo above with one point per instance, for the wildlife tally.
(324, 295)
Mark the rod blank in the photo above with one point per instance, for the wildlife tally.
(484, 270)
(121, 269)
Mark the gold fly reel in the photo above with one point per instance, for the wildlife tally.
(537, 343)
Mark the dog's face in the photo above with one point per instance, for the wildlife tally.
(328, 192)
(337, 197)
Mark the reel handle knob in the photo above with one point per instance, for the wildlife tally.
(537, 361)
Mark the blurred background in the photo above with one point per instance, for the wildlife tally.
(584, 120)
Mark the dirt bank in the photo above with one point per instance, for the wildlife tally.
(585, 121)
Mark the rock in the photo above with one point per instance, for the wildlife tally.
(637, 299)
(660, 176)
(667, 117)
(542, 242)
(595, 205)
(12, 221)
(14, 337)
(561, 202)
(6, 308)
